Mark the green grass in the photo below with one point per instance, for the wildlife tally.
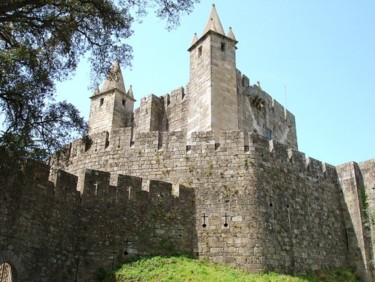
(178, 269)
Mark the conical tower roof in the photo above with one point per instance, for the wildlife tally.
(130, 92)
(195, 39)
(214, 22)
(114, 79)
(230, 34)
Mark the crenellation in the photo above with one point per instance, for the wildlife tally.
(66, 187)
(160, 191)
(95, 185)
(213, 171)
(329, 171)
(232, 141)
(297, 158)
(121, 139)
(314, 168)
(129, 188)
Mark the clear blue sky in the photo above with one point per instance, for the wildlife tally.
(322, 51)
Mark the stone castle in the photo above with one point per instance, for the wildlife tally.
(212, 170)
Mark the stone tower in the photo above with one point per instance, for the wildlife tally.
(212, 86)
(111, 106)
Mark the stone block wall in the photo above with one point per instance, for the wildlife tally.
(299, 202)
(259, 205)
(51, 232)
(259, 112)
(254, 109)
(177, 109)
(357, 182)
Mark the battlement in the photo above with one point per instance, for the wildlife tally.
(112, 150)
(102, 224)
(276, 153)
(95, 186)
(262, 114)
(261, 97)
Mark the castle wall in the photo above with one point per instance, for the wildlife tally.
(150, 116)
(367, 169)
(101, 112)
(224, 115)
(199, 88)
(275, 203)
(299, 201)
(51, 232)
(259, 112)
(256, 110)
(177, 110)
(357, 182)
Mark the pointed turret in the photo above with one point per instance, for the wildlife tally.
(114, 79)
(213, 104)
(230, 34)
(195, 39)
(130, 92)
(111, 106)
(214, 22)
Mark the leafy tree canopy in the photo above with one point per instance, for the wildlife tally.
(41, 41)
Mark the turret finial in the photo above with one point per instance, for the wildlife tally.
(214, 22)
(230, 34)
(195, 39)
(114, 78)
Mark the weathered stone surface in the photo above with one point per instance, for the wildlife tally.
(211, 170)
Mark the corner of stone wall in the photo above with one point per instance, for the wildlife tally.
(360, 251)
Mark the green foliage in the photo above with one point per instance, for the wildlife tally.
(364, 206)
(41, 42)
(186, 269)
(246, 163)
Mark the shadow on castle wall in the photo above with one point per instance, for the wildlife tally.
(51, 232)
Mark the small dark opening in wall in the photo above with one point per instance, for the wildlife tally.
(246, 148)
(271, 205)
(123, 102)
(199, 51)
(188, 148)
(106, 139)
(222, 46)
(268, 134)
(217, 145)
(101, 101)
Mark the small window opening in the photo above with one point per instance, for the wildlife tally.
(101, 101)
(106, 139)
(222, 46)
(268, 133)
(123, 102)
(199, 51)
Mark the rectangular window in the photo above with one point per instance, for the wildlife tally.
(199, 51)
(222, 46)
(101, 101)
(268, 133)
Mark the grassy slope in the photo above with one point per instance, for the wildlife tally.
(186, 269)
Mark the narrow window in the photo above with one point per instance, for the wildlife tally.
(222, 46)
(199, 51)
(101, 101)
(123, 102)
(268, 133)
